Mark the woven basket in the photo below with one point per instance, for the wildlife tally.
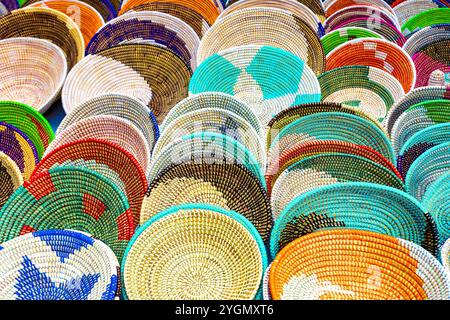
(355, 205)
(268, 79)
(70, 198)
(408, 9)
(265, 286)
(16, 145)
(145, 26)
(419, 117)
(377, 53)
(164, 71)
(428, 168)
(372, 90)
(356, 264)
(96, 75)
(264, 27)
(10, 177)
(30, 122)
(241, 189)
(112, 155)
(47, 24)
(109, 128)
(326, 169)
(206, 8)
(10, 5)
(334, 39)
(425, 19)
(420, 142)
(445, 256)
(58, 265)
(412, 98)
(194, 252)
(118, 105)
(32, 71)
(332, 6)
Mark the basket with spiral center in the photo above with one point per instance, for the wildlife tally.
(426, 19)
(10, 177)
(335, 38)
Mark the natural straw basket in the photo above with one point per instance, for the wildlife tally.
(32, 71)
(445, 256)
(268, 79)
(425, 19)
(420, 142)
(10, 177)
(356, 264)
(112, 155)
(164, 71)
(30, 122)
(264, 27)
(96, 75)
(194, 252)
(161, 28)
(378, 53)
(69, 198)
(47, 24)
(355, 205)
(332, 6)
(408, 9)
(335, 38)
(58, 265)
(118, 105)
(108, 128)
(242, 190)
(326, 169)
(16, 145)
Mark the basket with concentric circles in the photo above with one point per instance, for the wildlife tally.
(426, 19)
(332, 6)
(10, 177)
(408, 9)
(58, 265)
(335, 38)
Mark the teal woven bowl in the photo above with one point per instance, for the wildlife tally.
(363, 206)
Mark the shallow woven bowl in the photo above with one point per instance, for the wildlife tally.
(445, 256)
(335, 38)
(96, 75)
(356, 264)
(161, 28)
(70, 198)
(58, 265)
(332, 6)
(268, 79)
(32, 71)
(377, 53)
(47, 24)
(194, 252)
(408, 9)
(326, 169)
(371, 90)
(10, 177)
(264, 27)
(30, 122)
(112, 155)
(425, 19)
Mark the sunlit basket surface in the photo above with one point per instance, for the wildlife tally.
(335, 38)
(10, 177)
(425, 19)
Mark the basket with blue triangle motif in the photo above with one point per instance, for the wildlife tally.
(335, 38)
(10, 178)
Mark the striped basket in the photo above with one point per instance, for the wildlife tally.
(445, 256)
(356, 264)
(332, 6)
(335, 38)
(425, 19)
(10, 177)
(408, 9)
(58, 265)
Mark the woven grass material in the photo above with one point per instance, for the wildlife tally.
(16, 145)
(47, 24)
(425, 19)
(420, 142)
(268, 79)
(310, 148)
(356, 264)
(216, 100)
(326, 169)
(335, 38)
(332, 6)
(219, 255)
(157, 27)
(164, 71)
(241, 189)
(84, 15)
(118, 105)
(414, 97)
(70, 198)
(96, 75)
(355, 205)
(112, 155)
(370, 89)
(419, 117)
(109, 128)
(30, 122)
(58, 265)
(408, 9)
(206, 8)
(10, 177)
(428, 168)
(445, 256)
(264, 27)
(32, 71)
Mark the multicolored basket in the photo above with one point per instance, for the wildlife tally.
(335, 38)
(408, 9)
(10, 178)
(445, 256)
(356, 264)
(58, 265)
(332, 6)
(425, 19)
(220, 255)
